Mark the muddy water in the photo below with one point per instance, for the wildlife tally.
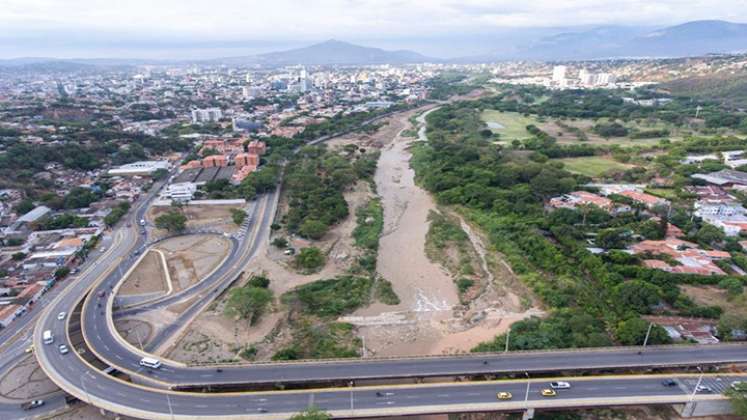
(422, 286)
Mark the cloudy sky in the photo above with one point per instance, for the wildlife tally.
(65, 28)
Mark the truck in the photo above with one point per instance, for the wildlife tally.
(47, 337)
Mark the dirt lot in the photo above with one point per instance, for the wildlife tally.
(26, 381)
(714, 296)
(214, 217)
(148, 277)
(191, 258)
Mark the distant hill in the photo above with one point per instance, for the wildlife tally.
(726, 88)
(332, 52)
(688, 39)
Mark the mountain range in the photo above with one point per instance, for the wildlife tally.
(688, 39)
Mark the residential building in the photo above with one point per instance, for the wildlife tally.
(580, 198)
(206, 115)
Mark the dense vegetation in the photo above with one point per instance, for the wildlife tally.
(315, 181)
(595, 300)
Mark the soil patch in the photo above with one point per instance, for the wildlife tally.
(148, 277)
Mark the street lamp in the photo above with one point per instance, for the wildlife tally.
(695, 391)
(526, 396)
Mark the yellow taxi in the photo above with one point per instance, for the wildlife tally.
(547, 392)
(503, 395)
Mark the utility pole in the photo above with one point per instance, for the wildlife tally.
(363, 339)
(648, 333)
(508, 337)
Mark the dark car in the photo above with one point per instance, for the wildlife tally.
(668, 382)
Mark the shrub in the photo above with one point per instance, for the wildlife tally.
(309, 259)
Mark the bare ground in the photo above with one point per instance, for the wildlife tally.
(147, 277)
(192, 258)
(217, 217)
(26, 381)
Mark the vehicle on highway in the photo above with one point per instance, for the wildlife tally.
(547, 392)
(503, 395)
(150, 362)
(32, 404)
(668, 382)
(63, 349)
(739, 386)
(703, 389)
(142, 222)
(102, 293)
(29, 349)
(47, 337)
(61, 315)
(560, 385)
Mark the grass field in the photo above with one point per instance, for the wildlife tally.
(593, 166)
(514, 124)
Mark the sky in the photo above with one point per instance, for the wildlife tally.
(200, 28)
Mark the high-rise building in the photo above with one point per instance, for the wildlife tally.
(558, 73)
(206, 115)
(586, 78)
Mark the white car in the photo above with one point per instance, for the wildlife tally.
(61, 315)
(63, 349)
(560, 385)
(703, 389)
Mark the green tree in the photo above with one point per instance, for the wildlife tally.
(280, 242)
(24, 206)
(311, 413)
(309, 259)
(637, 295)
(238, 216)
(172, 220)
(312, 229)
(18, 256)
(632, 332)
(733, 286)
(61, 273)
(248, 302)
(709, 234)
(738, 400)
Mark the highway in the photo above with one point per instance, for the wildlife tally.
(74, 375)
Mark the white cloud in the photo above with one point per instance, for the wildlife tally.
(221, 19)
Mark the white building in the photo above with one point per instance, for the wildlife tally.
(558, 73)
(146, 167)
(182, 191)
(206, 115)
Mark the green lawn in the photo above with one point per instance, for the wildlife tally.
(513, 124)
(592, 166)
